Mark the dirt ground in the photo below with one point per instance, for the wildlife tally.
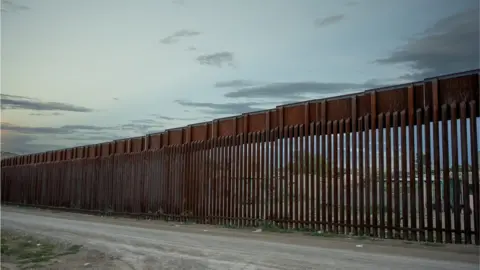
(21, 250)
(120, 243)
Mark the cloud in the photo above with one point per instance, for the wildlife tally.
(233, 84)
(217, 59)
(93, 138)
(12, 102)
(352, 3)
(46, 114)
(140, 126)
(322, 22)
(66, 129)
(173, 38)
(143, 126)
(450, 45)
(9, 6)
(169, 118)
(17, 138)
(296, 90)
(228, 108)
(25, 144)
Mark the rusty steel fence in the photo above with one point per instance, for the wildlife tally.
(398, 163)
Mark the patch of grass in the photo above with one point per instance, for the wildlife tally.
(305, 229)
(230, 226)
(361, 237)
(71, 250)
(270, 226)
(28, 252)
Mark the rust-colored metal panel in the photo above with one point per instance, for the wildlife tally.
(312, 112)
(215, 129)
(69, 154)
(240, 123)
(155, 141)
(427, 90)
(98, 150)
(209, 130)
(120, 147)
(225, 127)
(273, 119)
(146, 142)
(419, 96)
(136, 144)
(105, 149)
(199, 132)
(165, 138)
(363, 105)
(392, 100)
(58, 155)
(458, 89)
(184, 131)
(91, 151)
(294, 115)
(188, 134)
(80, 152)
(338, 109)
(257, 122)
(128, 145)
(176, 136)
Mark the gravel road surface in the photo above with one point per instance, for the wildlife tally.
(142, 244)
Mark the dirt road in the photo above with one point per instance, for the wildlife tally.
(160, 245)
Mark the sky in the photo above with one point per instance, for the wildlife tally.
(80, 72)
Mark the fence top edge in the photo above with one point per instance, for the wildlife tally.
(354, 94)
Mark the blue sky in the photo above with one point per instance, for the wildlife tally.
(81, 72)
